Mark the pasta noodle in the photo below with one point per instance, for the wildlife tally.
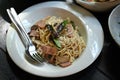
(57, 40)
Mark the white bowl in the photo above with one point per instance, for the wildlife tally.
(80, 16)
(114, 24)
(98, 6)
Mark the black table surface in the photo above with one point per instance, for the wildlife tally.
(105, 67)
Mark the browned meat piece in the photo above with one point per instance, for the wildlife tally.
(69, 30)
(41, 24)
(65, 64)
(49, 53)
(33, 33)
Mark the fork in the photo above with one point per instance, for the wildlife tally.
(29, 46)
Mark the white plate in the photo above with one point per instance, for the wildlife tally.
(94, 41)
(114, 24)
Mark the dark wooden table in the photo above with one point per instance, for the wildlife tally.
(105, 67)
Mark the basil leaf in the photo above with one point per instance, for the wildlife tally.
(57, 42)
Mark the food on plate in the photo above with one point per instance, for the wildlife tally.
(98, 0)
(58, 40)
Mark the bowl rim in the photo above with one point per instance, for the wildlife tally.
(109, 24)
(92, 2)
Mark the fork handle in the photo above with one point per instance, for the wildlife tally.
(20, 25)
(24, 40)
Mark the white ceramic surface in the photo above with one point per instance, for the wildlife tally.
(114, 24)
(93, 35)
(98, 6)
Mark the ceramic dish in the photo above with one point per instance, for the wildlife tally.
(114, 24)
(30, 15)
(98, 6)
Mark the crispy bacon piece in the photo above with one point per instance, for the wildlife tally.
(63, 59)
(33, 33)
(41, 24)
(49, 53)
(69, 30)
(65, 64)
(34, 27)
(49, 50)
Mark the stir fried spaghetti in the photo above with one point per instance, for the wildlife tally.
(57, 40)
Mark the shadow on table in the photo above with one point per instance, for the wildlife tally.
(19, 5)
(111, 61)
(4, 4)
